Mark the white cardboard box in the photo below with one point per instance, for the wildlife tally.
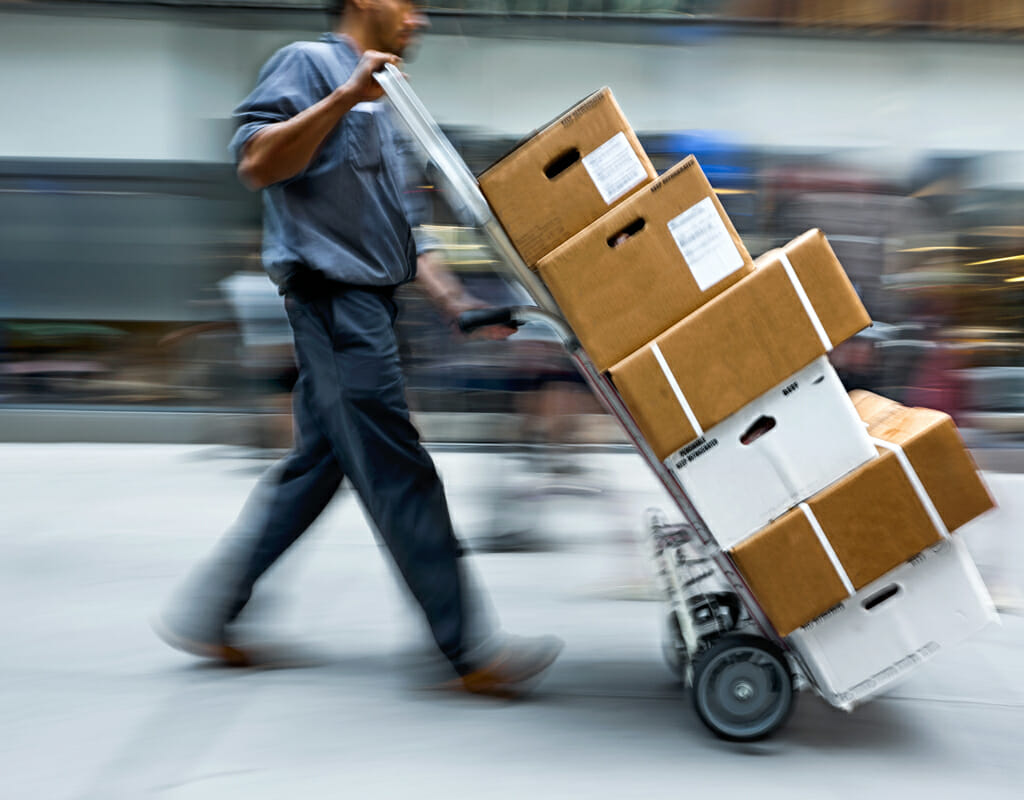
(881, 633)
(773, 453)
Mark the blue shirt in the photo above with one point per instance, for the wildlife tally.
(347, 214)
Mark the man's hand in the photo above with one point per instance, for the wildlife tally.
(361, 83)
(449, 296)
(466, 302)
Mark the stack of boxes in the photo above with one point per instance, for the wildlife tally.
(825, 501)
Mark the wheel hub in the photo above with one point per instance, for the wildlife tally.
(743, 691)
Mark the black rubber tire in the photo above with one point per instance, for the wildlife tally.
(742, 688)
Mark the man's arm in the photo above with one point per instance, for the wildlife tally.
(449, 295)
(282, 150)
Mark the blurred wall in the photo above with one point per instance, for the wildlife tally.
(94, 87)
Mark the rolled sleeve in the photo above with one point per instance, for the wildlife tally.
(286, 85)
(244, 133)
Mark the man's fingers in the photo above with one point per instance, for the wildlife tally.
(378, 59)
(496, 332)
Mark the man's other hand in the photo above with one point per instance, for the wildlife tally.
(466, 302)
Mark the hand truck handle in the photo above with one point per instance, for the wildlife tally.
(470, 321)
(514, 316)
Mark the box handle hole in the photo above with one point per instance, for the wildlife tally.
(759, 428)
(880, 597)
(561, 163)
(628, 232)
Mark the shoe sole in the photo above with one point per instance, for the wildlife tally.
(226, 654)
(514, 688)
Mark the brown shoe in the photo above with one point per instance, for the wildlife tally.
(512, 670)
(215, 648)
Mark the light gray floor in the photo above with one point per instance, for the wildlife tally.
(92, 705)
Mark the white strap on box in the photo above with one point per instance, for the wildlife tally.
(812, 315)
(805, 301)
(827, 546)
(915, 481)
(683, 403)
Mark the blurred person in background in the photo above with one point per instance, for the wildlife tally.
(337, 242)
(267, 357)
(552, 400)
(934, 379)
(856, 362)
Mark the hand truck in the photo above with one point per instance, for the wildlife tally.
(744, 677)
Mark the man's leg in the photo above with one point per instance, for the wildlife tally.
(345, 342)
(283, 505)
(359, 398)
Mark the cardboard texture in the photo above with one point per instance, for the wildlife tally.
(873, 521)
(789, 573)
(784, 447)
(879, 635)
(873, 518)
(646, 264)
(933, 445)
(740, 344)
(594, 160)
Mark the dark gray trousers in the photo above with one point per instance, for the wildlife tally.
(351, 420)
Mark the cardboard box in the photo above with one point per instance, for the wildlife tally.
(567, 175)
(935, 450)
(895, 623)
(646, 265)
(870, 521)
(784, 447)
(736, 347)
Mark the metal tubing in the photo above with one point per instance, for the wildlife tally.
(461, 185)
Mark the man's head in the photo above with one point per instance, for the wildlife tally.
(386, 25)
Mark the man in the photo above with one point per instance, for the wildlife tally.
(337, 241)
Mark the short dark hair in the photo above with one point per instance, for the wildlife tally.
(335, 11)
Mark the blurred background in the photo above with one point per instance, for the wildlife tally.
(135, 315)
(133, 306)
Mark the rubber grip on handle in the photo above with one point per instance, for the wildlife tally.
(469, 321)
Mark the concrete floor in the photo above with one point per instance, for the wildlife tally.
(93, 537)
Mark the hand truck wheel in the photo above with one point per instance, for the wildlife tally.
(742, 687)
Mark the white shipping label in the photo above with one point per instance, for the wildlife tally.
(614, 168)
(705, 243)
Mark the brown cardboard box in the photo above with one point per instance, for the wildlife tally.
(935, 450)
(645, 265)
(740, 344)
(567, 175)
(873, 521)
(872, 518)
